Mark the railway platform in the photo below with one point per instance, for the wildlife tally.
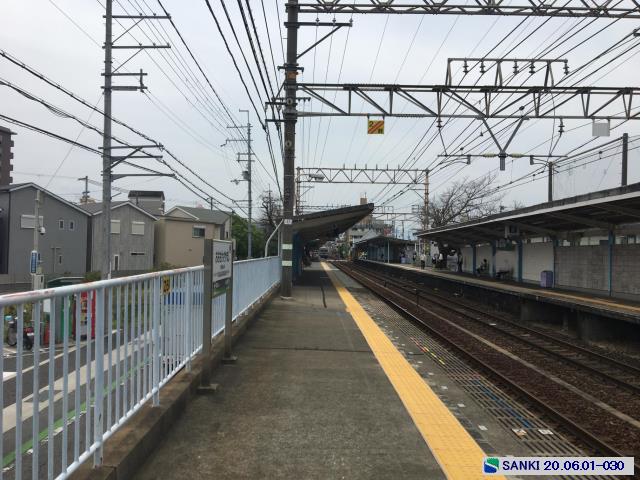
(322, 390)
(590, 316)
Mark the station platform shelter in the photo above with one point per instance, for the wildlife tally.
(385, 249)
(588, 243)
(319, 227)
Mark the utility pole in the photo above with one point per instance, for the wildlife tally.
(85, 194)
(109, 161)
(290, 119)
(550, 182)
(106, 143)
(298, 199)
(625, 158)
(249, 182)
(425, 220)
(35, 277)
(247, 176)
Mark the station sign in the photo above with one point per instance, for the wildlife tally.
(222, 258)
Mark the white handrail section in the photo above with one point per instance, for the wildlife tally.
(101, 350)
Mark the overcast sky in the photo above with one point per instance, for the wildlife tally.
(63, 40)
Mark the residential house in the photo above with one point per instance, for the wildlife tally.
(181, 232)
(62, 242)
(132, 238)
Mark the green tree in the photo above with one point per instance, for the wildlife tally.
(239, 231)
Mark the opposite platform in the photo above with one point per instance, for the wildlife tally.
(618, 308)
(306, 399)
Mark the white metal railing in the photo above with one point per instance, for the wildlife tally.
(120, 341)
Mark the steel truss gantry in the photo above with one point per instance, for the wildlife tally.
(535, 8)
(380, 176)
(475, 101)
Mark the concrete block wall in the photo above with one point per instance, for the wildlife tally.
(585, 267)
(536, 257)
(626, 269)
(507, 260)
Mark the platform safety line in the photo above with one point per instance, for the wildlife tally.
(455, 450)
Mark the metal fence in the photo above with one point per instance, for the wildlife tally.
(100, 351)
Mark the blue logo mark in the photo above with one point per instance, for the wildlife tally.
(491, 465)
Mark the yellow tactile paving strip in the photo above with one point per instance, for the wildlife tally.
(611, 304)
(458, 454)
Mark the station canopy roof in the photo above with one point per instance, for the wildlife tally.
(602, 210)
(328, 224)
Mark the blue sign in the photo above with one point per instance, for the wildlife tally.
(33, 263)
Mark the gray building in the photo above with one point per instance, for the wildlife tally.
(63, 246)
(150, 200)
(132, 238)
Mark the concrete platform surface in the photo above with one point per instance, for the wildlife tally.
(306, 399)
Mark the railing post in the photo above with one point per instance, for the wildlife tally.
(189, 314)
(98, 401)
(157, 350)
(228, 317)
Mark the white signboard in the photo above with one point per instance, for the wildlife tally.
(222, 258)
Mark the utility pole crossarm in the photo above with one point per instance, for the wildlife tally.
(518, 8)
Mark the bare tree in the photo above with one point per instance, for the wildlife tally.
(271, 211)
(465, 200)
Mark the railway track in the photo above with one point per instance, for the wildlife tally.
(610, 370)
(541, 371)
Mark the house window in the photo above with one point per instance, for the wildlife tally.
(116, 262)
(60, 224)
(115, 226)
(138, 254)
(59, 259)
(72, 225)
(137, 228)
(28, 221)
(198, 231)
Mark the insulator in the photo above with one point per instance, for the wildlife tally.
(516, 69)
(465, 67)
(482, 70)
(566, 68)
(532, 68)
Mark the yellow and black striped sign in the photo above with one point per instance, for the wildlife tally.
(375, 127)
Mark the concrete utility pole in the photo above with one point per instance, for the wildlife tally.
(106, 144)
(247, 177)
(298, 198)
(625, 158)
(550, 182)
(290, 120)
(425, 221)
(249, 181)
(36, 240)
